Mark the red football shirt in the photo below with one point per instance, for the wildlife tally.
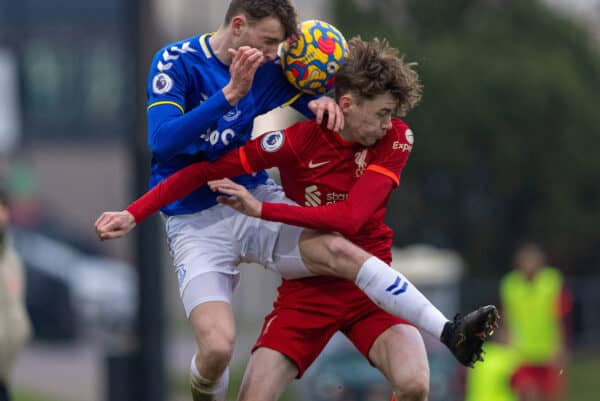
(347, 185)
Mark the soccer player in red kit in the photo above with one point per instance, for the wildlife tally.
(346, 178)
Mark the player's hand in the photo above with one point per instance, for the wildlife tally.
(111, 225)
(245, 61)
(325, 104)
(239, 197)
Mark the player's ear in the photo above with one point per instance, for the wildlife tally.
(346, 102)
(238, 24)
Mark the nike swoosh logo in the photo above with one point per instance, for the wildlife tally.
(315, 165)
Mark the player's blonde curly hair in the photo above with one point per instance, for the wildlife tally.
(255, 10)
(374, 68)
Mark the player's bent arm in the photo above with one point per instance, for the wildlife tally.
(171, 129)
(346, 217)
(321, 109)
(277, 91)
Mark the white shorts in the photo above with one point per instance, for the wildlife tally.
(218, 239)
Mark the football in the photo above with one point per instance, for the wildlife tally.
(311, 58)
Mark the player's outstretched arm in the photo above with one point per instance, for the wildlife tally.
(244, 160)
(111, 225)
(186, 181)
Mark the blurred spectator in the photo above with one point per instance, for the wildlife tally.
(536, 304)
(14, 322)
(491, 380)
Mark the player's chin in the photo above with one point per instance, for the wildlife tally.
(370, 141)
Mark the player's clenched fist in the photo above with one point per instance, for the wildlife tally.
(111, 225)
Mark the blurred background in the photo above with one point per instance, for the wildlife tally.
(506, 142)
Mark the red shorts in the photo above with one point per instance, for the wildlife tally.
(308, 312)
(543, 379)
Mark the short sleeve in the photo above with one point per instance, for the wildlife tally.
(167, 82)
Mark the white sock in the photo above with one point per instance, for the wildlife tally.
(207, 390)
(391, 291)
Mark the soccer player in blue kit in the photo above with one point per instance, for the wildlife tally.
(204, 93)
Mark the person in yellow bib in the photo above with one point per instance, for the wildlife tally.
(536, 303)
(492, 380)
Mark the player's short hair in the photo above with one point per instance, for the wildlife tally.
(255, 10)
(373, 68)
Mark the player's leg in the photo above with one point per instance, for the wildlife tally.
(267, 375)
(304, 319)
(299, 253)
(399, 353)
(214, 331)
(330, 254)
(391, 345)
(205, 257)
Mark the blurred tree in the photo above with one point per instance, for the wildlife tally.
(507, 132)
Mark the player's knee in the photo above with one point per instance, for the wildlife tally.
(220, 348)
(337, 246)
(413, 388)
(215, 348)
(331, 255)
(342, 249)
